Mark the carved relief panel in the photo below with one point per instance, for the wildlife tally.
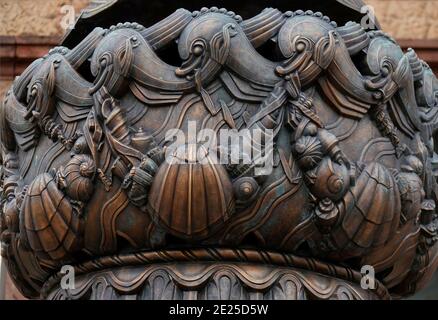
(101, 169)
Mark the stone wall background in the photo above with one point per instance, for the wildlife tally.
(403, 19)
(408, 19)
(40, 18)
(34, 17)
(4, 85)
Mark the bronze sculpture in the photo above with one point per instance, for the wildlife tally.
(88, 179)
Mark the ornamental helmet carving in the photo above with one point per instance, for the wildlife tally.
(290, 39)
(205, 43)
(50, 226)
(207, 24)
(191, 193)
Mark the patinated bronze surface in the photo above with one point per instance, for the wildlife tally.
(88, 179)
